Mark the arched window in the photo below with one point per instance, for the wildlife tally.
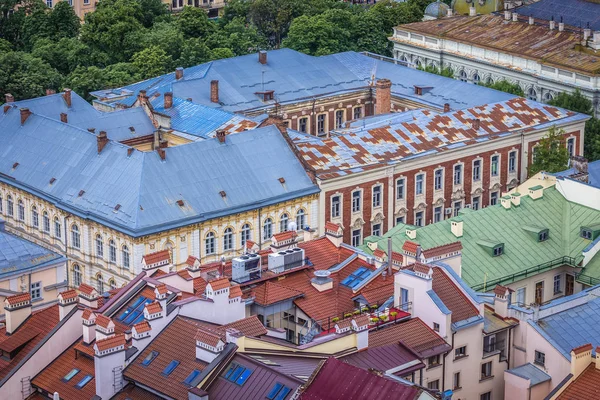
(476, 78)
(125, 256)
(1, 204)
(21, 208)
(112, 284)
(418, 63)
(283, 223)
(9, 206)
(57, 227)
(99, 283)
(99, 246)
(76, 275)
(35, 220)
(548, 96)
(531, 94)
(300, 219)
(46, 222)
(489, 81)
(75, 237)
(403, 58)
(228, 239)
(112, 251)
(210, 243)
(245, 235)
(267, 229)
(462, 75)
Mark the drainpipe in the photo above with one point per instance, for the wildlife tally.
(67, 246)
(444, 364)
(313, 124)
(260, 232)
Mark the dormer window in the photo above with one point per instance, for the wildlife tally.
(543, 236)
(586, 233)
(266, 95)
(590, 232)
(498, 250)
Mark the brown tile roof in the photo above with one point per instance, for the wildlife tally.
(208, 338)
(86, 289)
(219, 283)
(330, 226)
(414, 333)
(200, 285)
(344, 323)
(249, 244)
(162, 288)
(270, 293)
(235, 291)
(250, 326)
(68, 294)
(154, 308)
(18, 339)
(500, 290)
(175, 342)
(87, 314)
(111, 342)
(362, 320)
(18, 298)
(410, 247)
(103, 321)
(378, 291)
(283, 236)
(583, 348)
(585, 386)
(156, 257)
(379, 253)
(421, 268)
(133, 392)
(143, 326)
(452, 296)
(397, 257)
(184, 274)
(324, 254)
(42, 321)
(443, 249)
(191, 260)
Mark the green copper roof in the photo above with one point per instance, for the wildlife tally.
(496, 225)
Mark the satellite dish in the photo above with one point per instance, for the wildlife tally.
(292, 226)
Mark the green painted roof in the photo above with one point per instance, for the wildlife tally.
(499, 225)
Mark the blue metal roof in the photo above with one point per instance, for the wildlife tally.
(593, 173)
(531, 372)
(574, 12)
(18, 255)
(247, 167)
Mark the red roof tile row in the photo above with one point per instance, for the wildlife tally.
(270, 293)
(18, 298)
(159, 256)
(111, 342)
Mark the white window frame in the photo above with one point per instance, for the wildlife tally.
(35, 290)
(356, 201)
(377, 194)
(420, 185)
(438, 174)
(400, 188)
(336, 206)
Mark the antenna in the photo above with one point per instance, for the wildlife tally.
(262, 80)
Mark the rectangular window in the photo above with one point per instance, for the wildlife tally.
(376, 230)
(49, 3)
(335, 206)
(457, 207)
(419, 218)
(399, 220)
(193, 375)
(404, 299)
(302, 124)
(456, 383)
(486, 370)
(540, 358)
(512, 161)
(376, 196)
(36, 291)
(475, 203)
(278, 392)
(521, 296)
(571, 146)
(493, 198)
(460, 352)
(419, 184)
(149, 358)
(437, 214)
(433, 361)
(70, 375)
(458, 174)
(557, 284)
(321, 124)
(494, 166)
(356, 201)
(436, 327)
(170, 367)
(434, 385)
(400, 189)
(84, 381)
(356, 237)
(357, 112)
(339, 119)
(438, 180)
(486, 396)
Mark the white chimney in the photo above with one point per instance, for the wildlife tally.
(561, 25)
(456, 227)
(552, 24)
(598, 357)
(472, 11)
(515, 17)
(17, 309)
(208, 345)
(581, 358)
(516, 199)
(322, 280)
(536, 192)
(109, 361)
(411, 232)
(596, 43)
(531, 20)
(450, 12)
(334, 233)
(55, 396)
(105, 327)
(506, 15)
(139, 332)
(506, 201)
(67, 301)
(88, 320)
(587, 32)
(88, 295)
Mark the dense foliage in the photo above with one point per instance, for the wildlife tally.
(506, 86)
(127, 40)
(551, 154)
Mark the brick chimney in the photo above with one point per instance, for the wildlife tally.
(168, 100)
(109, 360)
(262, 57)
(50, 92)
(67, 301)
(446, 107)
(64, 118)
(221, 135)
(383, 96)
(475, 124)
(162, 153)
(102, 141)
(142, 97)
(25, 113)
(17, 309)
(178, 73)
(214, 91)
(67, 96)
(9, 98)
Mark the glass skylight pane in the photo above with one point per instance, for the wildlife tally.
(284, 392)
(274, 391)
(84, 381)
(149, 358)
(191, 377)
(169, 368)
(231, 369)
(70, 375)
(238, 371)
(243, 377)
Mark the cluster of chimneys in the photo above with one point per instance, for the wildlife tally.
(587, 32)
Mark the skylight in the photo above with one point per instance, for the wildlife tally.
(278, 392)
(84, 381)
(191, 377)
(356, 277)
(149, 358)
(170, 368)
(238, 374)
(134, 313)
(70, 375)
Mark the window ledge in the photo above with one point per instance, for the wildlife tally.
(433, 367)
(486, 378)
(539, 364)
(460, 357)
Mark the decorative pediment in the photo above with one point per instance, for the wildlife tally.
(358, 223)
(421, 207)
(458, 195)
(477, 192)
(377, 218)
(401, 212)
(439, 202)
(513, 182)
(496, 186)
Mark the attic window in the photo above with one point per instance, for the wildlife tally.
(81, 192)
(222, 193)
(590, 232)
(52, 180)
(498, 250)
(117, 207)
(586, 233)
(149, 358)
(180, 203)
(493, 248)
(356, 277)
(282, 180)
(170, 368)
(84, 381)
(193, 375)
(266, 95)
(278, 391)
(543, 235)
(15, 165)
(238, 374)
(70, 375)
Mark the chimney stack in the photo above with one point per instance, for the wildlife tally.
(162, 153)
(214, 91)
(9, 98)
(142, 97)
(262, 57)
(383, 96)
(88, 322)
(67, 97)
(102, 141)
(506, 15)
(515, 17)
(67, 301)
(179, 73)
(17, 309)
(446, 107)
(475, 124)
(552, 24)
(587, 32)
(109, 360)
(221, 135)
(64, 118)
(561, 25)
(50, 91)
(168, 99)
(531, 20)
(450, 12)
(472, 11)
(163, 144)
(456, 227)
(25, 113)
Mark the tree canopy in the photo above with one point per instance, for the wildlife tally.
(506, 86)
(551, 154)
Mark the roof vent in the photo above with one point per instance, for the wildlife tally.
(52, 180)
(117, 207)
(15, 165)
(9, 98)
(222, 193)
(262, 57)
(282, 180)
(64, 118)
(221, 135)
(322, 280)
(81, 193)
(162, 153)
(132, 129)
(178, 73)
(180, 203)
(129, 151)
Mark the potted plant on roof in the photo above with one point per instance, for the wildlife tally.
(374, 320)
(365, 309)
(347, 315)
(356, 312)
(393, 314)
(374, 307)
(335, 319)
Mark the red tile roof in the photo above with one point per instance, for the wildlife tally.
(500, 290)
(583, 348)
(452, 296)
(235, 291)
(324, 254)
(283, 236)
(397, 257)
(142, 327)
(103, 321)
(378, 290)
(249, 244)
(111, 342)
(18, 298)
(18, 339)
(184, 274)
(208, 338)
(443, 249)
(133, 392)
(159, 256)
(421, 268)
(87, 314)
(585, 386)
(379, 253)
(161, 288)
(68, 294)
(86, 289)
(344, 323)
(414, 333)
(410, 247)
(42, 321)
(338, 380)
(200, 285)
(250, 326)
(330, 226)
(270, 293)
(154, 308)
(362, 320)
(191, 260)
(219, 283)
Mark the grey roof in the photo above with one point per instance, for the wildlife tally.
(593, 173)
(247, 167)
(18, 255)
(574, 12)
(572, 328)
(531, 372)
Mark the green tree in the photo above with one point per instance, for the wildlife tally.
(84, 80)
(167, 36)
(195, 52)
(152, 10)
(194, 22)
(316, 36)
(506, 86)
(592, 140)
(25, 76)
(392, 13)
(447, 72)
(369, 34)
(66, 54)
(5, 46)
(551, 154)
(63, 22)
(237, 36)
(234, 9)
(273, 18)
(219, 53)
(152, 61)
